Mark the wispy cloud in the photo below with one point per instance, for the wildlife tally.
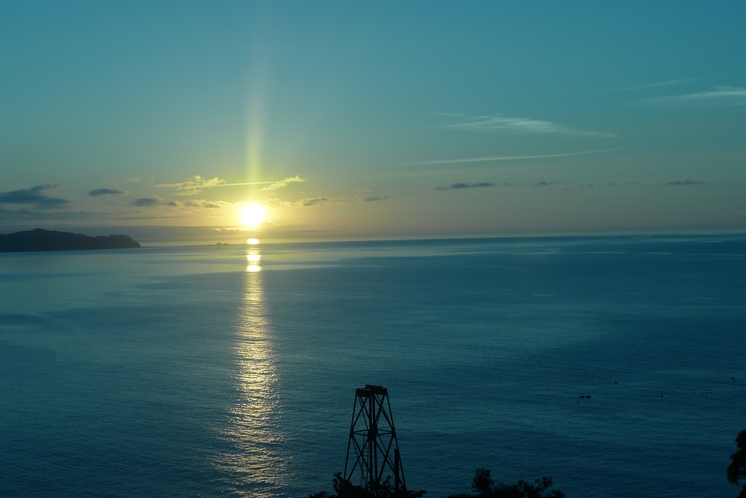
(316, 201)
(149, 202)
(507, 158)
(242, 183)
(361, 195)
(284, 183)
(651, 85)
(196, 184)
(528, 125)
(202, 203)
(305, 202)
(106, 191)
(721, 95)
(684, 183)
(193, 185)
(365, 194)
(459, 186)
(153, 201)
(34, 196)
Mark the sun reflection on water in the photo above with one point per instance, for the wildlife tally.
(252, 259)
(256, 463)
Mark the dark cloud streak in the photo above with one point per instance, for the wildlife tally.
(35, 196)
(106, 191)
(147, 201)
(459, 186)
(316, 201)
(681, 183)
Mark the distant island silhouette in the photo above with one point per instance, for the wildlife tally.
(39, 239)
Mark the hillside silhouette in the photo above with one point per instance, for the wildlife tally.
(39, 239)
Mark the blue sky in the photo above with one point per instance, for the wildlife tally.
(371, 120)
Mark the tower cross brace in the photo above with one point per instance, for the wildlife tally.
(372, 448)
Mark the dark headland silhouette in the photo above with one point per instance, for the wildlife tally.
(39, 239)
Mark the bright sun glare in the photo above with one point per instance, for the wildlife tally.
(252, 215)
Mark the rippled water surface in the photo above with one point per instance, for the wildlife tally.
(231, 370)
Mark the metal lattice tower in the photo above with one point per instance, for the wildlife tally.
(373, 439)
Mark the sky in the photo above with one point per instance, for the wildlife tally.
(373, 119)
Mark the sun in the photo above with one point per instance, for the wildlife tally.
(252, 215)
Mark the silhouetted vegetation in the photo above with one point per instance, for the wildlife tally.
(345, 489)
(737, 467)
(483, 486)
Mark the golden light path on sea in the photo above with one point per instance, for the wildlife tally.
(256, 462)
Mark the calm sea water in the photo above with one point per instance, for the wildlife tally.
(231, 370)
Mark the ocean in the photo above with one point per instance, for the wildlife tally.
(615, 365)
